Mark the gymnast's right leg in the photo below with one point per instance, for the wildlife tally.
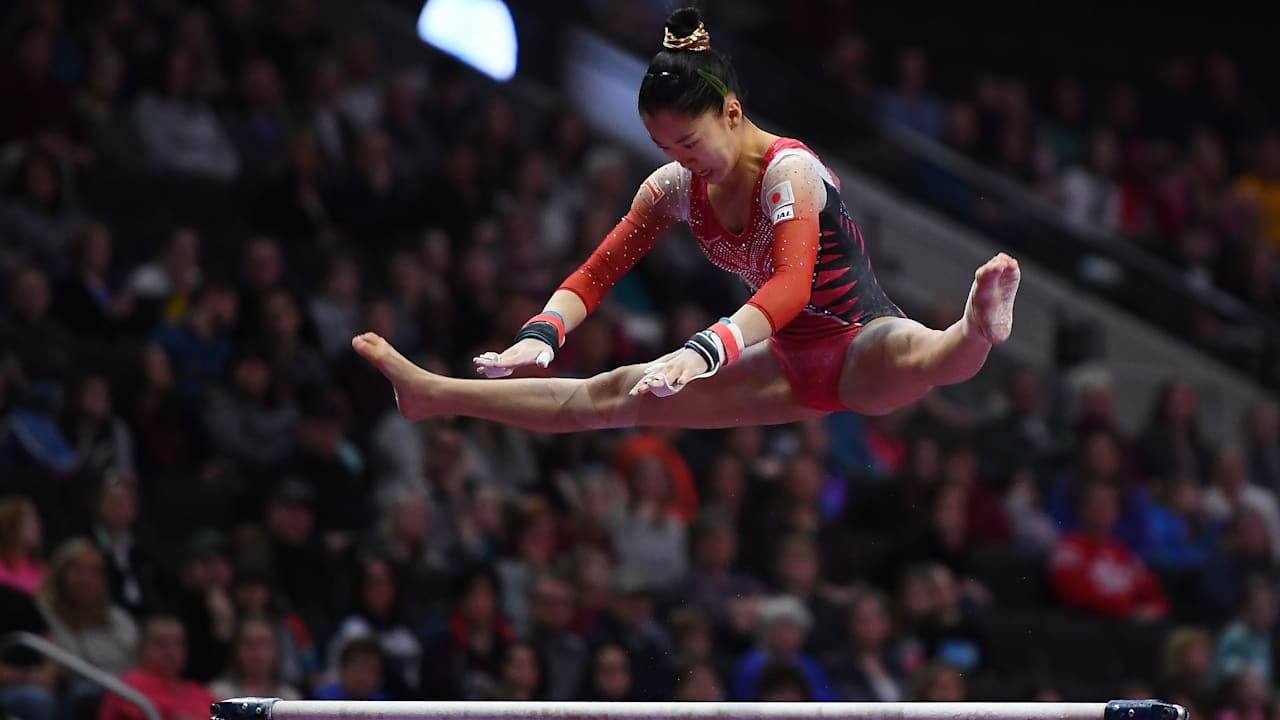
(752, 391)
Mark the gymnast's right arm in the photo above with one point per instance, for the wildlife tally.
(652, 212)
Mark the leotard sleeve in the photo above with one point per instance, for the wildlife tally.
(660, 201)
(792, 196)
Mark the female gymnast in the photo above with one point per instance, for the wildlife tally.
(817, 336)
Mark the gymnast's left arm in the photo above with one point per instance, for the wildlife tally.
(793, 195)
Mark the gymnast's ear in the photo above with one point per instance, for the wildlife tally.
(733, 111)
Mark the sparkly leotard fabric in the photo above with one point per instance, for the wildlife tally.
(810, 285)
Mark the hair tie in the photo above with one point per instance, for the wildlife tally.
(696, 41)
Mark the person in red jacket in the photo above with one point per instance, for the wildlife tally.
(1094, 572)
(162, 656)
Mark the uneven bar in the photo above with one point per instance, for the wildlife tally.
(272, 709)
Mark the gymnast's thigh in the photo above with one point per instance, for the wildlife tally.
(752, 391)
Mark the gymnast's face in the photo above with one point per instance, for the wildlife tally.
(708, 145)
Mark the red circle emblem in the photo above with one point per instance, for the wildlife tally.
(776, 197)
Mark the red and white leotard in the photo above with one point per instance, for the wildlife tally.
(800, 254)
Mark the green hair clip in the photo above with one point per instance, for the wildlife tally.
(715, 82)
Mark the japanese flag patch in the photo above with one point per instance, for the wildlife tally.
(780, 202)
(654, 190)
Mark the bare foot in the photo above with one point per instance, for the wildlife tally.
(412, 384)
(990, 308)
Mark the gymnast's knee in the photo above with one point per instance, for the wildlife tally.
(609, 400)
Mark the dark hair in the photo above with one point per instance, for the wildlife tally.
(781, 676)
(688, 81)
(357, 647)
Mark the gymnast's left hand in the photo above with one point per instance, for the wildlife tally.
(670, 373)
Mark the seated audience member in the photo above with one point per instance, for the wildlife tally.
(76, 603)
(1094, 572)
(359, 673)
(162, 658)
(254, 670)
(782, 623)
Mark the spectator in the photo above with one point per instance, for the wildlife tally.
(561, 656)
(782, 624)
(1088, 191)
(128, 548)
(162, 659)
(910, 105)
(406, 536)
(358, 675)
(379, 613)
(361, 97)
(630, 623)
(1187, 666)
(254, 669)
(27, 682)
(303, 566)
(299, 367)
(262, 273)
(1171, 444)
(36, 99)
(1033, 528)
(784, 681)
(199, 346)
(165, 432)
(75, 602)
(714, 585)
(647, 537)
(1245, 551)
(169, 287)
(106, 127)
(46, 352)
(86, 300)
(1181, 530)
(1097, 574)
(204, 603)
(1245, 644)
(1019, 437)
(21, 545)
(178, 127)
(335, 310)
(798, 573)
(867, 667)
(951, 631)
(939, 682)
(464, 658)
(532, 554)
(699, 683)
(1101, 460)
(101, 439)
(331, 464)
(251, 421)
(253, 593)
(259, 123)
(1231, 491)
(1261, 186)
(521, 678)
(610, 676)
(1262, 445)
(37, 212)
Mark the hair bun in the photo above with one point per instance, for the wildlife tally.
(685, 31)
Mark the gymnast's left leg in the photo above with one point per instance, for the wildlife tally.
(895, 361)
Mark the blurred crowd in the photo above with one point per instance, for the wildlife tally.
(206, 493)
(1182, 161)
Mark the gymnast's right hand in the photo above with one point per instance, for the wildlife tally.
(529, 351)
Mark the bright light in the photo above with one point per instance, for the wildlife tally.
(480, 33)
